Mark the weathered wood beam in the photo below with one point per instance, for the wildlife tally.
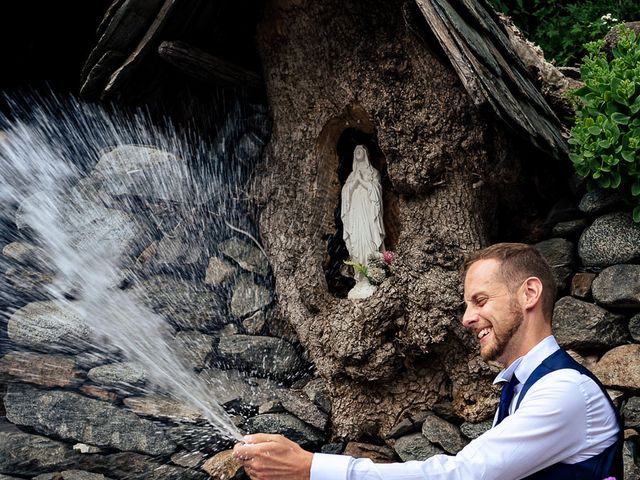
(206, 67)
(491, 71)
(148, 42)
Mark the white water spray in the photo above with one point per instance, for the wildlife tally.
(86, 218)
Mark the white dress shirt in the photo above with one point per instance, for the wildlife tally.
(564, 417)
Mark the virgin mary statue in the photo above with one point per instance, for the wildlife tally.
(362, 217)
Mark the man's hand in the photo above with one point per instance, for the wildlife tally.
(273, 457)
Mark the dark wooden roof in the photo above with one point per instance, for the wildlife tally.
(477, 45)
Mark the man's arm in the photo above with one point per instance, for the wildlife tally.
(550, 426)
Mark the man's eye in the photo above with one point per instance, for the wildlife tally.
(481, 301)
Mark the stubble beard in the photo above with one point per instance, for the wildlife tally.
(500, 343)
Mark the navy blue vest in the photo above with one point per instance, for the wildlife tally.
(609, 462)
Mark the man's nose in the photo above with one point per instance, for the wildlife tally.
(469, 316)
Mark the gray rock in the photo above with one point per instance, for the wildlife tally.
(610, 240)
(299, 404)
(194, 347)
(256, 324)
(600, 200)
(80, 419)
(415, 447)
(118, 374)
(145, 172)
(230, 386)
(474, 430)
(72, 475)
(559, 254)
(188, 304)
(618, 286)
(631, 411)
(49, 326)
(634, 327)
(88, 228)
(248, 297)
(133, 466)
(248, 256)
(26, 454)
(287, 425)
(182, 247)
(261, 356)
(569, 229)
(201, 437)
(443, 433)
(316, 391)
(29, 282)
(630, 460)
(164, 408)
(408, 425)
(582, 325)
(28, 254)
(219, 272)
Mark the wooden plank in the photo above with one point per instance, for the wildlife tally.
(208, 68)
(148, 42)
(491, 71)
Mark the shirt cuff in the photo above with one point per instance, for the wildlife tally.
(329, 467)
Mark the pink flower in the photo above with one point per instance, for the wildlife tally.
(388, 256)
(610, 478)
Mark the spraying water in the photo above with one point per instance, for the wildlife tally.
(93, 194)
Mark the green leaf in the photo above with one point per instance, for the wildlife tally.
(635, 188)
(628, 156)
(595, 130)
(636, 214)
(620, 118)
(615, 179)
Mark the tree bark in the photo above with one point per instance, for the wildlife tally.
(374, 67)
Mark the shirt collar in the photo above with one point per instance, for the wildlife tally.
(523, 367)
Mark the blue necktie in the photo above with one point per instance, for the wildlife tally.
(505, 398)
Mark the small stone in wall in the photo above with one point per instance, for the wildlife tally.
(415, 447)
(559, 254)
(376, 453)
(569, 229)
(443, 433)
(44, 370)
(256, 324)
(474, 430)
(408, 425)
(223, 466)
(581, 285)
(218, 272)
(618, 286)
(248, 256)
(619, 368)
(248, 297)
(583, 325)
(188, 459)
(634, 327)
(610, 240)
(631, 411)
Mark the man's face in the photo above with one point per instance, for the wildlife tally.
(493, 313)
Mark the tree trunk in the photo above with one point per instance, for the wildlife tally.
(338, 72)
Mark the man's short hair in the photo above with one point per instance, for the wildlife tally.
(519, 261)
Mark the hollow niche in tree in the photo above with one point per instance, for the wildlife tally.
(362, 220)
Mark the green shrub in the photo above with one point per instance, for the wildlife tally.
(605, 140)
(561, 27)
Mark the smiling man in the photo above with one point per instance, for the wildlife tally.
(555, 420)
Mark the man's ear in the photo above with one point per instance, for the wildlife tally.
(531, 292)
